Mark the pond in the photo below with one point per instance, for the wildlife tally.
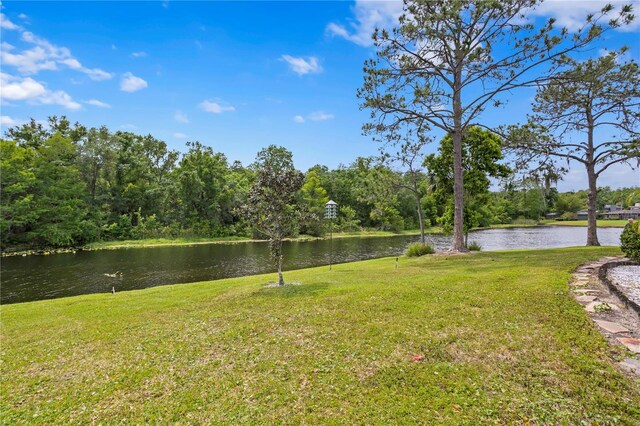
(59, 275)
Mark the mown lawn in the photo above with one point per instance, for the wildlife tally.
(613, 223)
(477, 339)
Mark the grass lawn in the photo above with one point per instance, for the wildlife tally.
(614, 223)
(156, 242)
(485, 338)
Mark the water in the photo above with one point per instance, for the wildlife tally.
(59, 275)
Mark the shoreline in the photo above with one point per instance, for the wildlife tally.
(180, 242)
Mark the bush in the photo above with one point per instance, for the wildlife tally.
(568, 216)
(474, 246)
(630, 241)
(524, 221)
(419, 249)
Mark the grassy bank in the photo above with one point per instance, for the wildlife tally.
(483, 338)
(159, 242)
(156, 242)
(614, 223)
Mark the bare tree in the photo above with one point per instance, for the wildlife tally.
(448, 60)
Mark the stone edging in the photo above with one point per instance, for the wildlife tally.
(616, 316)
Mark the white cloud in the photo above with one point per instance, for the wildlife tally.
(7, 121)
(23, 16)
(572, 13)
(314, 116)
(7, 24)
(138, 54)
(17, 89)
(369, 15)
(45, 56)
(179, 135)
(59, 97)
(27, 89)
(131, 83)
(97, 103)
(320, 116)
(303, 65)
(181, 117)
(215, 107)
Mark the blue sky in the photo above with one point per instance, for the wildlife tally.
(236, 76)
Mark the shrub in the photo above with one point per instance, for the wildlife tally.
(630, 241)
(568, 216)
(419, 249)
(524, 221)
(474, 246)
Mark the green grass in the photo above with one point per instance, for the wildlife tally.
(501, 340)
(614, 223)
(155, 242)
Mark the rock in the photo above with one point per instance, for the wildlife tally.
(601, 307)
(631, 364)
(612, 327)
(584, 291)
(586, 299)
(631, 343)
(579, 283)
(581, 276)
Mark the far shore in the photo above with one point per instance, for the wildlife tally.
(161, 242)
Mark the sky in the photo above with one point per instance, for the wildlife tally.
(236, 76)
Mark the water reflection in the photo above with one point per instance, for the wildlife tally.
(45, 277)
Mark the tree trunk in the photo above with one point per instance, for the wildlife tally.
(420, 219)
(280, 277)
(458, 183)
(592, 230)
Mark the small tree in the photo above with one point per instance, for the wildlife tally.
(270, 206)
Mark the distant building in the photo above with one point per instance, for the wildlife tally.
(610, 208)
(582, 215)
(632, 212)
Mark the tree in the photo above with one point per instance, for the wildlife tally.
(481, 151)
(17, 186)
(448, 60)
(33, 134)
(58, 193)
(203, 177)
(270, 204)
(409, 154)
(314, 198)
(589, 96)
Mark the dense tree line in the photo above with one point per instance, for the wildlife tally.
(64, 185)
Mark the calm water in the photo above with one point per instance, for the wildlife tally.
(46, 277)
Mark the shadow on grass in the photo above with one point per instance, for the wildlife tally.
(292, 290)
